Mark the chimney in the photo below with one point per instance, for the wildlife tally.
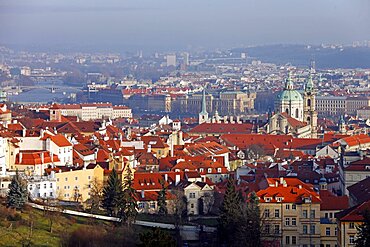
(142, 194)
(281, 180)
(42, 157)
(20, 157)
(177, 179)
(165, 177)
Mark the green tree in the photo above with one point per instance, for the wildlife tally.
(249, 233)
(156, 238)
(363, 231)
(162, 204)
(129, 211)
(230, 213)
(113, 199)
(17, 195)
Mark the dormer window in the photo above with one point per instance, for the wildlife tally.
(201, 169)
(219, 170)
(209, 170)
(267, 199)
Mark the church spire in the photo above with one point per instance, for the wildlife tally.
(309, 85)
(204, 105)
(289, 82)
(203, 115)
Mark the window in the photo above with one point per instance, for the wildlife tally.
(305, 229)
(294, 240)
(44, 186)
(351, 239)
(304, 213)
(327, 231)
(294, 221)
(287, 207)
(351, 225)
(192, 205)
(267, 228)
(267, 213)
(141, 205)
(287, 221)
(76, 178)
(312, 229)
(51, 193)
(66, 179)
(287, 240)
(51, 185)
(336, 231)
(294, 207)
(277, 213)
(277, 229)
(152, 205)
(312, 214)
(192, 195)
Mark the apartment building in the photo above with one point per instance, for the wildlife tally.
(86, 112)
(340, 105)
(291, 213)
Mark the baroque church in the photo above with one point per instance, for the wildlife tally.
(294, 115)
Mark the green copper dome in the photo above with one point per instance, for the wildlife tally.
(289, 95)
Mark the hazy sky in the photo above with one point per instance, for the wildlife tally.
(171, 24)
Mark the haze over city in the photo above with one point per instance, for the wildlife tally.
(165, 24)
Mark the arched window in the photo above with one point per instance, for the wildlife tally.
(296, 113)
(308, 120)
(287, 110)
(308, 102)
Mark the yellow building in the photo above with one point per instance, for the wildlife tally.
(291, 213)
(348, 221)
(73, 184)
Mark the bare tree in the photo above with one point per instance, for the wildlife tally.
(254, 152)
(96, 194)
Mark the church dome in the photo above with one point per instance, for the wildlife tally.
(289, 96)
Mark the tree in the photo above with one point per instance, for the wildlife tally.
(230, 212)
(156, 238)
(239, 223)
(254, 152)
(249, 233)
(17, 195)
(113, 195)
(363, 231)
(96, 193)
(161, 200)
(129, 210)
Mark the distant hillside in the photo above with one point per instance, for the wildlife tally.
(300, 55)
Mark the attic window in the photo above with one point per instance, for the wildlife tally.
(367, 167)
(267, 199)
(279, 199)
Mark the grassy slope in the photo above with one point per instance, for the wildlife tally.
(41, 236)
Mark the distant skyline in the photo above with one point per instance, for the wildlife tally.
(129, 25)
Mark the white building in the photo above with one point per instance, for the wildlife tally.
(3, 144)
(171, 60)
(86, 112)
(42, 187)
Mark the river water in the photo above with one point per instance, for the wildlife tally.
(44, 95)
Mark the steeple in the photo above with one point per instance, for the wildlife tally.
(203, 115)
(204, 105)
(342, 125)
(309, 85)
(289, 82)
